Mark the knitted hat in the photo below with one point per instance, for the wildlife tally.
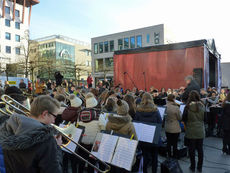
(75, 101)
(122, 107)
(91, 102)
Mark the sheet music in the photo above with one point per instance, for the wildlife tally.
(125, 153)
(145, 132)
(182, 108)
(162, 112)
(178, 102)
(103, 118)
(76, 137)
(104, 147)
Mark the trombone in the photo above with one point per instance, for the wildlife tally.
(25, 111)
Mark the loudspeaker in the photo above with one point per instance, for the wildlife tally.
(198, 76)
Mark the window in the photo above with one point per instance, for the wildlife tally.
(156, 38)
(126, 43)
(7, 10)
(106, 44)
(8, 36)
(109, 63)
(7, 22)
(111, 46)
(17, 38)
(147, 38)
(120, 44)
(139, 41)
(8, 49)
(17, 13)
(96, 48)
(101, 47)
(17, 51)
(17, 25)
(99, 65)
(132, 42)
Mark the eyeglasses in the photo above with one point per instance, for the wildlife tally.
(53, 114)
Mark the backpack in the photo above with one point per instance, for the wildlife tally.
(87, 115)
(71, 114)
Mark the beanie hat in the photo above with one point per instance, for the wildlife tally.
(75, 101)
(91, 101)
(122, 107)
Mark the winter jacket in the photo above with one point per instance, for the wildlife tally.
(91, 129)
(194, 121)
(172, 118)
(29, 146)
(226, 116)
(150, 114)
(192, 86)
(3, 118)
(121, 125)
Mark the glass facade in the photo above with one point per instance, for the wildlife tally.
(120, 44)
(126, 43)
(98, 65)
(59, 57)
(132, 42)
(96, 48)
(139, 41)
(106, 45)
(111, 45)
(101, 47)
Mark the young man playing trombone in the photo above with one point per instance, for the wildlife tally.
(28, 143)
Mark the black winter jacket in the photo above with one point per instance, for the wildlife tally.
(226, 116)
(192, 86)
(150, 114)
(29, 146)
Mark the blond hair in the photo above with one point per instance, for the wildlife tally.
(43, 103)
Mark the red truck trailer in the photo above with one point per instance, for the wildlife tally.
(166, 66)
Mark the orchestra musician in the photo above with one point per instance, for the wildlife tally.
(28, 143)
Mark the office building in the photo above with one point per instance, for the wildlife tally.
(103, 47)
(15, 18)
(60, 53)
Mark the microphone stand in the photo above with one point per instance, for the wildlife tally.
(130, 79)
(145, 81)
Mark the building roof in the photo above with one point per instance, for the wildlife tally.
(61, 37)
(28, 2)
(210, 44)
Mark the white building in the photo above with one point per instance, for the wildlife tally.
(103, 47)
(14, 24)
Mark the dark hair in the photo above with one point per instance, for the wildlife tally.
(194, 96)
(110, 105)
(171, 97)
(131, 102)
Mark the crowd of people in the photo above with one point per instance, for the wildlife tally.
(30, 144)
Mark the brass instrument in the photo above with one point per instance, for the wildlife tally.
(70, 130)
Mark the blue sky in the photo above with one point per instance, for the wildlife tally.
(84, 19)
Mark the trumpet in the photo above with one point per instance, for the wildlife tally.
(25, 111)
